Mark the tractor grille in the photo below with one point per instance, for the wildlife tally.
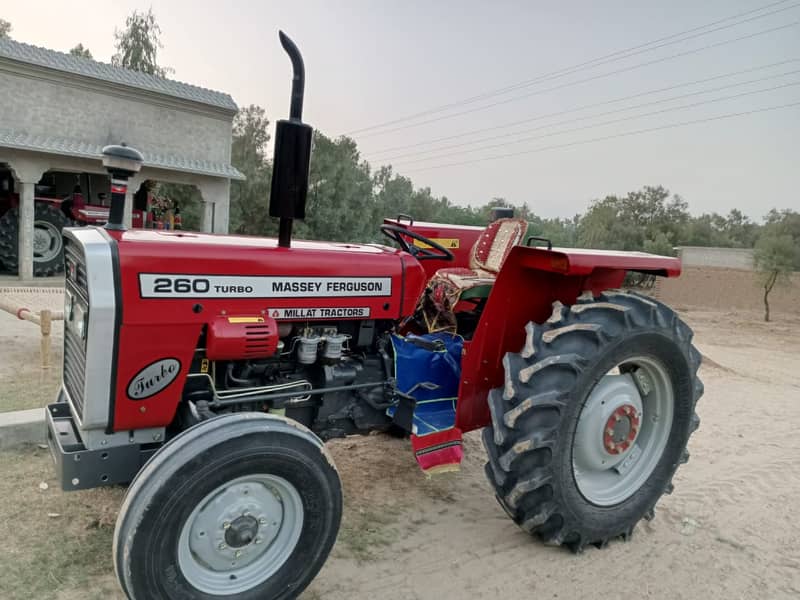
(74, 369)
(74, 346)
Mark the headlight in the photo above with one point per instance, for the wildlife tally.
(78, 319)
(69, 305)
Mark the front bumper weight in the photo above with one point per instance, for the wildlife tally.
(78, 468)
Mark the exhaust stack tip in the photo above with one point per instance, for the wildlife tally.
(298, 76)
(290, 163)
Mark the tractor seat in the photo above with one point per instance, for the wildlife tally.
(451, 285)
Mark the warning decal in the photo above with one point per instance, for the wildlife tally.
(444, 242)
(332, 312)
(167, 285)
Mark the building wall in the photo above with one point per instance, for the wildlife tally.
(725, 289)
(80, 109)
(731, 258)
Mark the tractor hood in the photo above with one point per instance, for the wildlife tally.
(226, 274)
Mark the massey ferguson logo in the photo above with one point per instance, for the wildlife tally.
(153, 378)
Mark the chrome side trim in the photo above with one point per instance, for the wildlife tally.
(100, 333)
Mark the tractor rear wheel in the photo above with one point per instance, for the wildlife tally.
(594, 419)
(48, 246)
(241, 506)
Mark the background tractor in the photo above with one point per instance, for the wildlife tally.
(61, 200)
(208, 371)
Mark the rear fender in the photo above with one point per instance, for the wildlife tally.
(531, 280)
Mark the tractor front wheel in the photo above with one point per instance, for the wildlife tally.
(594, 418)
(241, 506)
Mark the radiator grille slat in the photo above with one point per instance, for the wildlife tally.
(74, 369)
(74, 347)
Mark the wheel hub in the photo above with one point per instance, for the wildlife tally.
(241, 532)
(609, 424)
(46, 241)
(621, 429)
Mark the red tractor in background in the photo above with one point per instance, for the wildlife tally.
(208, 371)
(60, 200)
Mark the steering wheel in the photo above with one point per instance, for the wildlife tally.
(398, 234)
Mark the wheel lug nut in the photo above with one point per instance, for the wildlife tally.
(222, 546)
(226, 525)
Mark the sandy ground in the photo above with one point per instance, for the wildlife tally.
(730, 530)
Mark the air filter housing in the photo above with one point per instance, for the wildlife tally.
(242, 337)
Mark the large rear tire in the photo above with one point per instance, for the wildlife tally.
(243, 506)
(48, 247)
(594, 418)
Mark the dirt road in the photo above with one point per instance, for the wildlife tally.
(730, 530)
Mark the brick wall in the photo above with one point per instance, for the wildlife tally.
(723, 288)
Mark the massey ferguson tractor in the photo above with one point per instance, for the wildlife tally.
(209, 370)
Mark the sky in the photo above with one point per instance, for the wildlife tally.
(372, 62)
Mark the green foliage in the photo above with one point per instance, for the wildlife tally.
(80, 50)
(734, 231)
(187, 199)
(138, 44)
(644, 218)
(250, 198)
(5, 28)
(776, 255)
(340, 204)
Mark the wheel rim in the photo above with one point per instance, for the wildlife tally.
(240, 534)
(46, 241)
(622, 431)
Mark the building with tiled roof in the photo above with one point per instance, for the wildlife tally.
(59, 110)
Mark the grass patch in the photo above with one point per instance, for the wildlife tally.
(29, 386)
(55, 544)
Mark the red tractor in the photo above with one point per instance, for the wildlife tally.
(208, 371)
(61, 200)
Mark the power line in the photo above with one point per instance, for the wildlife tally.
(602, 114)
(607, 137)
(579, 108)
(614, 56)
(604, 123)
(587, 79)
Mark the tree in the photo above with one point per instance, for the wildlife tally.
(80, 50)
(250, 198)
(138, 44)
(340, 206)
(775, 257)
(5, 28)
(645, 218)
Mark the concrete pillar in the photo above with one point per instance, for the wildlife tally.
(25, 228)
(28, 172)
(216, 194)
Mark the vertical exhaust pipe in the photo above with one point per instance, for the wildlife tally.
(292, 154)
